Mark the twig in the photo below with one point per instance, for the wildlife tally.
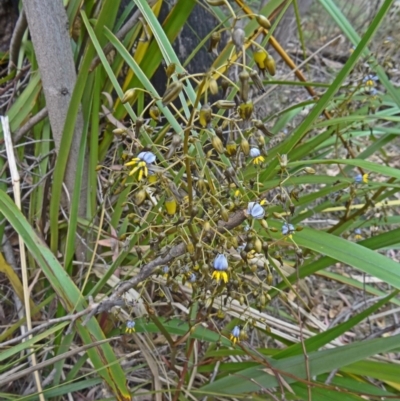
(24, 269)
(16, 40)
(30, 124)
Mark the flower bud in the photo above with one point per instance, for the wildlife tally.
(174, 145)
(201, 185)
(154, 113)
(225, 104)
(172, 92)
(170, 70)
(263, 21)
(231, 148)
(245, 110)
(309, 170)
(205, 115)
(238, 37)
(270, 64)
(245, 146)
(140, 196)
(258, 245)
(217, 144)
(257, 81)
(244, 85)
(213, 86)
(214, 41)
(224, 85)
(119, 131)
(128, 95)
(259, 125)
(170, 205)
(190, 248)
(224, 214)
(260, 57)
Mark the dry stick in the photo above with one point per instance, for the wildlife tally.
(42, 114)
(16, 40)
(24, 269)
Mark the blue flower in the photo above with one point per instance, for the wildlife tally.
(130, 326)
(192, 278)
(221, 262)
(361, 178)
(140, 163)
(255, 210)
(147, 157)
(256, 155)
(370, 80)
(235, 334)
(220, 266)
(287, 229)
(358, 233)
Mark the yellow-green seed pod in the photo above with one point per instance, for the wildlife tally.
(152, 177)
(170, 205)
(245, 110)
(128, 95)
(270, 279)
(263, 21)
(172, 92)
(190, 248)
(270, 64)
(244, 77)
(208, 302)
(215, 3)
(260, 57)
(257, 81)
(174, 145)
(207, 226)
(243, 335)
(234, 241)
(155, 113)
(258, 245)
(213, 86)
(253, 268)
(259, 125)
(264, 224)
(119, 131)
(201, 185)
(261, 141)
(241, 300)
(140, 196)
(231, 148)
(245, 146)
(225, 104)
(214, 41)
(205, 115)
(217, 144)
(309, 170)
(224, 85)
(221, 314)
(170, 70)
(263, 299)
(224, 214)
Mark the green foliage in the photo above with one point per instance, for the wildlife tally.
(199, 221)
